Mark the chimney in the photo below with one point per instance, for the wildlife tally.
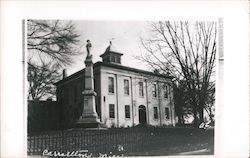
(64, 73)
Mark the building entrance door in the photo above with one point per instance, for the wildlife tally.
(142, 114)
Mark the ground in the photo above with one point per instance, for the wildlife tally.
(180, 141)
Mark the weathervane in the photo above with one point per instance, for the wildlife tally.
(110, 40)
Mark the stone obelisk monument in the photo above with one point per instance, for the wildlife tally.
(89, 117)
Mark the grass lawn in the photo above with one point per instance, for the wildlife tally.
(136, 141)
(182, 141)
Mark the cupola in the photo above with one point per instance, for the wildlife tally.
(111, 55)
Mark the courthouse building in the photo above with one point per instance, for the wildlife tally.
(125, 96)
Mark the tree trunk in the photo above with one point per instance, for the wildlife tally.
(196, 119)
(201, 107)
(180, 119)
(201, 115)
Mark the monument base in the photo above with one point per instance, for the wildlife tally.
(88, 122)
(87, 125)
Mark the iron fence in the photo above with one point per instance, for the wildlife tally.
(115, 141)
(125, 141)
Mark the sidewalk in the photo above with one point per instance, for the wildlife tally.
(197, 152)
(162, 152)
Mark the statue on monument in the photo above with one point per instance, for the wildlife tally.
(88, 47)
(89, 116)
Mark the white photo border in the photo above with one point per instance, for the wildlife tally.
(232, 109)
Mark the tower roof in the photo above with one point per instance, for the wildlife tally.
(111, 49)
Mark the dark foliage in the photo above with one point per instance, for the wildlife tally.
(43, 116)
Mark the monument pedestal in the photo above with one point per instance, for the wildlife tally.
(89, 117)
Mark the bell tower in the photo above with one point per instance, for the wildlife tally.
(111, 55)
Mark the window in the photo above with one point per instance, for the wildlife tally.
(111, 85)
(118, 60)
(141, 93)
(154, 91)
(111, 111)
(165, 89)
(126, 87)
(112, 59)
(127, 111)
(155, 113)
(167, 113)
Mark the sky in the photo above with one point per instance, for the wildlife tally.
(125, 36)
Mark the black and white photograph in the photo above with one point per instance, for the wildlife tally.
(124, 79)
(145, 88)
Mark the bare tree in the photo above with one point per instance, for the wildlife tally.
(209, 104)
(41, 79)
(52, 40)
(186, 51)
(51, 44)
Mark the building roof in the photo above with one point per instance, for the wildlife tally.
(116, 66)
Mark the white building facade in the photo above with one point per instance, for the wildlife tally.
(126, 96)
